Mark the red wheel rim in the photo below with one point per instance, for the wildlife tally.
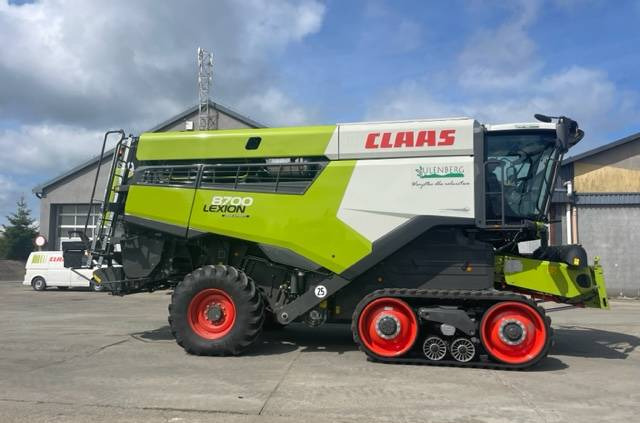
(401, 313)
(200, 313)
(532, 339)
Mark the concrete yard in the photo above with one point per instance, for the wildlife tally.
(81, 356)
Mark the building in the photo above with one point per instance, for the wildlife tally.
(597, 204)
(64, 200)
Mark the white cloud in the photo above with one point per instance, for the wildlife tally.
(276, 108)
(123, 63)
(412, 99)
(71, 69)
(7, 187)
(503, 57)
(501, 78)
(46, 149)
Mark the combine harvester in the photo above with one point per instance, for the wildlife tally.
(409, 230)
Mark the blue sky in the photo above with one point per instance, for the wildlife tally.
(72, 69)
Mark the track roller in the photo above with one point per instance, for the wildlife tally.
(434, 348)
(463, 350)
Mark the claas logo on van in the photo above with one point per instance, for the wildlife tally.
(55, 259)
(411, 139)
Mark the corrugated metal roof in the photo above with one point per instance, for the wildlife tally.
(170, 122)
(217, 106)
(602, 148)
(597, 198)
(609, 199)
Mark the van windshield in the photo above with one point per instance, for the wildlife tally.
(521, 166)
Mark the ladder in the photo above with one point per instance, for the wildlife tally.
(112, 207)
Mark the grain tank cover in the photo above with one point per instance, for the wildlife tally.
(235, 143)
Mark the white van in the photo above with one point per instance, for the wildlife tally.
(46, 268)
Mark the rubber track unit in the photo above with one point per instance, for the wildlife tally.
(248, 301)
(488, 296)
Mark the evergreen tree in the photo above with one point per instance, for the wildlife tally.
(20, 233)
(3, 245)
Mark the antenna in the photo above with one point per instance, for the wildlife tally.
(205, 74)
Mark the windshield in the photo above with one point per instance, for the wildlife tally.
(520, 164)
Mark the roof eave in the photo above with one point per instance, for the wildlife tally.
(601, 149)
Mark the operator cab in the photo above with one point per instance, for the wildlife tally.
(520, 165)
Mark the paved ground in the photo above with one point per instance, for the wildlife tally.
(82, 356)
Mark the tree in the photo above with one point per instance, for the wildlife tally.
(3, 245)
(20, 233)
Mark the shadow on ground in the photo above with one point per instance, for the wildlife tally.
(579, 341)
(570, 341)
(330, 337)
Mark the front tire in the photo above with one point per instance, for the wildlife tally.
(39, 284)
(216, 310)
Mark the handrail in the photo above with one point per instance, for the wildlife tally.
(95, 181)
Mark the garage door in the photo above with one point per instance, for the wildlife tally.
(613, 234)
(72, 217)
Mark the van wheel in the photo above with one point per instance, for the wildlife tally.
(38, 284)
(95, 287)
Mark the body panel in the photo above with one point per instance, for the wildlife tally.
(416, 138)
(226, 144)
(170, 205)
(409, 187)
(306, 224)
(554, 278)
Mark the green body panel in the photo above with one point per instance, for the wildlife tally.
(306, 224)
(552, 278)
(162, 204)
(227, 144)
(118, 173)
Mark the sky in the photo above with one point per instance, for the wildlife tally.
(70, 70)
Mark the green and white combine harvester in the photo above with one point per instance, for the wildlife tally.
(409, 230)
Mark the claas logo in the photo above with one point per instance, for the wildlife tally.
(427, 138)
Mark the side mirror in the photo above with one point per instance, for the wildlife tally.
(567, 131)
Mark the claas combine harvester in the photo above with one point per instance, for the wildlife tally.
(408, 230)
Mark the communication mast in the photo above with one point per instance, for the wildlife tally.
(205, 75)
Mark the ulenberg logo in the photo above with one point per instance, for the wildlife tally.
(224, 204)
(432, 172)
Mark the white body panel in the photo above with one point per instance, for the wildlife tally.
(416, 138)
(408, 187)
(49, 265)
(518, 126)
